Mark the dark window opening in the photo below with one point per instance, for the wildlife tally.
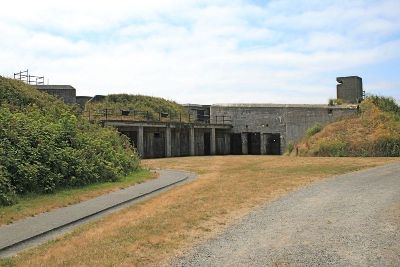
(330, 111)
(157, 135)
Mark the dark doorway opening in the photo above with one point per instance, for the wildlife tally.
(207, 144)
(273, 144)
(254, 143)
(236, 144)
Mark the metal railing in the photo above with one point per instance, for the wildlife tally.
(29, 79)
(140, 115)
(223, 119)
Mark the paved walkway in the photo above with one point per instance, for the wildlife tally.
(350, 220)
(35, 230)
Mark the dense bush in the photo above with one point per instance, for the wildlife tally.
(387, 147)
(45, 146)
(387, 104)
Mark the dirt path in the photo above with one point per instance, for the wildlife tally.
(350, 220)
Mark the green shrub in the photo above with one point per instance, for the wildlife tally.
(316, 128)
(387, 147)
(387, 104)
(333, 149)
(45, 146)
(336, 102)
(290, 148)
(7, 190)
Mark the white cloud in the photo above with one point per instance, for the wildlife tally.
(200, 51)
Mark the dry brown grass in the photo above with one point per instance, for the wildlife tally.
(361, 135)
(151, 232)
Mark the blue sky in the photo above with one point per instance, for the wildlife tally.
(206, 51)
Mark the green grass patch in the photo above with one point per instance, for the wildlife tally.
(316, 128)
(32, 204)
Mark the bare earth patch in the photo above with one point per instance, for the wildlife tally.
(151, 232)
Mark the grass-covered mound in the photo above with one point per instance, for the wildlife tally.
(45, 145)
(145, 107)
(375, 131)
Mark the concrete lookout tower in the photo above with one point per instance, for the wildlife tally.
(350, 89)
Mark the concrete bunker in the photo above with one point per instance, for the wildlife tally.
(238, 129)
(175, 139)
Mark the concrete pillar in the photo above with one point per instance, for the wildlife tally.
(140, 140)
(212, 142)
(283, 144)
(263, 144)
(192, 141)
(245, 149)
(168, 142)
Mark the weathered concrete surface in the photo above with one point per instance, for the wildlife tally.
(350, 220)
(290, 121)
(67, 93)
(31, 231)
(350, 89)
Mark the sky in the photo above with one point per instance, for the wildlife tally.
(205, 52)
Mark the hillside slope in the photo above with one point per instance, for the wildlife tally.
(45, 145)
(375, 131)
(146, 107)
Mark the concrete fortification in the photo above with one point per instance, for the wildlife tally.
(264, 129)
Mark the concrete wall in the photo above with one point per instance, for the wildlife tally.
(66, 92)
(198, 113)
(290, 121)
(199, 141)
(223, 143)
(180, 142)
(154, 142)
(82, 100)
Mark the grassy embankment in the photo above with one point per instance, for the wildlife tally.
(150, 232)
(375, 131)
(141, 108)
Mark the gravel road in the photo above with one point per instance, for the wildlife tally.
(348, 220)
